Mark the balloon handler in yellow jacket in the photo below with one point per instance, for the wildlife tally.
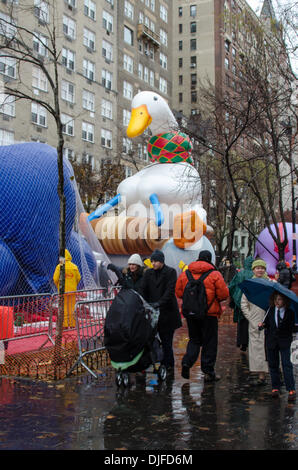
(72, 278)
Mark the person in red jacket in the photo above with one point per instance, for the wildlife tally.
(203, 333)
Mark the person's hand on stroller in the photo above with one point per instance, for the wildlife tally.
(112, 267)
(154, 304)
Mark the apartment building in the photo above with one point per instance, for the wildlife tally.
(144, 63)
(109, 50)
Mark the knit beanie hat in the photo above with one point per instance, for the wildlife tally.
(205, 255)
(135, 259)
(157, 255)
(258, 262)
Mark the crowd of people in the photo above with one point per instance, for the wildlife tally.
(266, 336)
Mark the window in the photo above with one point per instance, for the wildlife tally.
(107, 21)
(128, 35)
(89, 39)
(193, 44)
(163, 86)
(193, 10)
(146, 74)
(106, 109)
(163, 37)
(7, 26)
(88, 132)
(107, 50)
(152, 5)
(140, 71)
(6, 137)
(68, 59)
(67, 124)
(8, 66)
(193, 27)
(151, 78)
(227, 45)
(128, 63)
(193, 96)
(180, 28)
(106, 79)
(180, 97)
(180, 11)
(38, 115)
(127, 145)
(127, 90)
(180, 80)
(163, 60)
(193, 79)
(180, 45)
(67, 91)
(88, 160)
(40, 44)
(227, 63)
(88, 100)
(89, 69)
(126, 117)
(69, 154)
(39, 80)
(180, 62)
(164, 13)
(128, 171)
(69, 27)
(41, 10)
(106, 138)
(193, 62)
(7, 104)
(128, 9)
(90, 9)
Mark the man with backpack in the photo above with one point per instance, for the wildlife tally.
(202, 288)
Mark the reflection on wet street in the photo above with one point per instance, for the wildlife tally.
(84, 413)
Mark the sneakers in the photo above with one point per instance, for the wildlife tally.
(185, 371)
(292, 395)
(275, 393)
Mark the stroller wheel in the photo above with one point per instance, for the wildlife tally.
(162, 373)
(119, 379)
(125, 378)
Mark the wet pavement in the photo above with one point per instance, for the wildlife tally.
(82, 413)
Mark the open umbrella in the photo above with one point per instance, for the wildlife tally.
(258, 292)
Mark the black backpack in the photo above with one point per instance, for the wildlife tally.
(194, 300)
(127, 327)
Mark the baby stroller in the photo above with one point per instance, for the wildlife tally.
(131, 337)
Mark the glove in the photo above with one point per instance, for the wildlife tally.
(155, 304)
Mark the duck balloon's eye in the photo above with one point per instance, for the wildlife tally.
(155, 98)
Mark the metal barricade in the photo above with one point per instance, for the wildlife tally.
(25, 316)
(32, 315)
(90, 318)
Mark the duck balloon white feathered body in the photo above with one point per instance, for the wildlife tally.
(166, 193)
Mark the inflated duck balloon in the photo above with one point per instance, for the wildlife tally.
(168, 191)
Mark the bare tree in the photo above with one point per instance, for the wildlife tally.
(18, 44)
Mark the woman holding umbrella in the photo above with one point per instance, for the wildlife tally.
(255, 316)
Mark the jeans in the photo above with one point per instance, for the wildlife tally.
(287, 368)
(202, 334)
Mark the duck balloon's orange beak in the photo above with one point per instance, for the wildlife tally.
(140, 119)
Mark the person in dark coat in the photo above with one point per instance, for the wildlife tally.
(279, 324)
(235, 303)
(284, 274)
(131, 276)
(158, 289)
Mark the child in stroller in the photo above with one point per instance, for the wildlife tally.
(148, 350)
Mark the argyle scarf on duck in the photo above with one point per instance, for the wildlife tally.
(171, 147)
